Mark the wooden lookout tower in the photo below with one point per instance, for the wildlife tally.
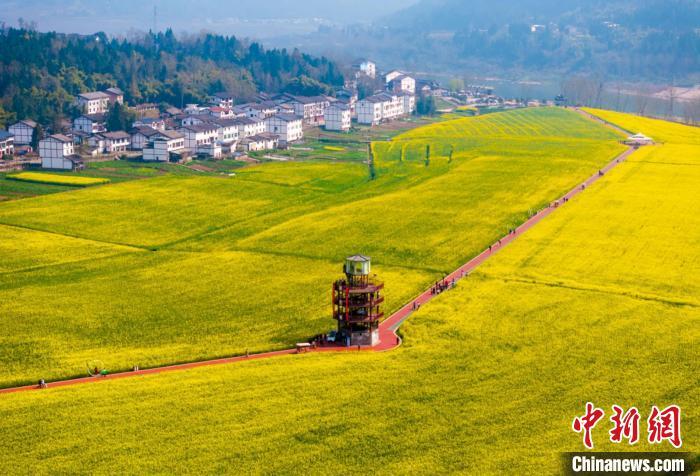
(357, 303)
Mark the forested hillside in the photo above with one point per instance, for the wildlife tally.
(619, 38)
(40, 73)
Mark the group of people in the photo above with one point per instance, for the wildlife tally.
(441, 286)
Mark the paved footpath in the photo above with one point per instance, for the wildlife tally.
(387, 330)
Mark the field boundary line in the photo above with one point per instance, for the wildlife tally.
(596, 289)
(76, 237)
(388, 337)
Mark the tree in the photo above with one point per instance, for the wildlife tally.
(118, 118)
(6, 118)
(37, 135)
(426, 106)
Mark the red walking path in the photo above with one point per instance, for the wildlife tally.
(387, 329)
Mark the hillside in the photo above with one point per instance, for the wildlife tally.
(489, 376)
(41, 72)
(650, 40)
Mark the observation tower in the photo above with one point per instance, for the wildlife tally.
(357, 303)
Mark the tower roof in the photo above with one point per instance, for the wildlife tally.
(359, 258)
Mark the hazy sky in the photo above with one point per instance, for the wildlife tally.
(259, 18)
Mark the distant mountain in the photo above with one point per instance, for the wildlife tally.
(677, 15)
(240, 17)
(655, 39)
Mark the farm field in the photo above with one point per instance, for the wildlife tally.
(200, 256)
(590, 305)
(57, 179)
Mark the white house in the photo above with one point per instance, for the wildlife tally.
(23, 131)
(409, 103)
(366, 67)
(311, 108)
(57, 152)
(338, 117)
(221, 112)
(389, 77)
(264, 141)
(90, 123)
(93, 103)
(212, 150)
(154, 122)
(222, 99)
(261, 110)
(248, 127)
(141, 136)
(384, 107)
(289, 127)
(7, 144)
(369, 111)
(402, 84)
(160, 148)
(200, 135)
(228, 131)
(111, 142)
(116, 95)
(392, 106)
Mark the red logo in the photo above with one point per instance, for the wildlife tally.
(665, 425)
(587, 422)
(662, 425)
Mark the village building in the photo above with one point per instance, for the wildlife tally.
(93, 103)
(289, 127)
(90, 123)
(172, 111)
(7, 144)
(221, 112)
(197, 136)
(366, 68)
(228, 131)
(141, 136)
(259, 142)
(212, 150)
(164, 146)
(193, 109)
(409, 103)
(389, 77)
(80, 137)
(195, 120)
(311, 108)
(384, 107)
(222, 99)
(155, 122)
(146, 110)
(369, 111)
(23, 131)
(347, 96)
(262, 110)
(110, 142)
(57, 152)
(402, 84)
(248, 127)
(338, 117)
(116, 95)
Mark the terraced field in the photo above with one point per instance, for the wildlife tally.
(172, 269)
(592, 304)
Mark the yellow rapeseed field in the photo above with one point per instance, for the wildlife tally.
(214, 266)
(596, 303)
(58, 179)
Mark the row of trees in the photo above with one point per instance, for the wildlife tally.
(40, 73)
